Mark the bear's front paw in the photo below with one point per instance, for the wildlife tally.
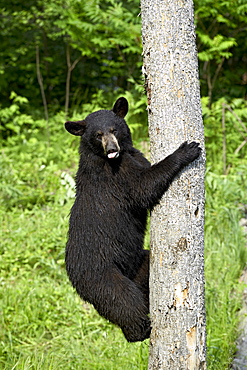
(189, 152)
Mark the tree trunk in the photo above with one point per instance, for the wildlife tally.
(41, 85)
(68, 78)
(177, 225)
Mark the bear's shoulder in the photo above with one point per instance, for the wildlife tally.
(138, 158)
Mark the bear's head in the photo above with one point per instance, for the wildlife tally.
(105, 132)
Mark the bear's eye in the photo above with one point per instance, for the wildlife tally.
(113, 131)
(99, 135)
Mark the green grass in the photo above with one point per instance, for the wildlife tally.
(225, 258)
(43, 323)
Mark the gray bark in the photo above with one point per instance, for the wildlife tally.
(177, 225)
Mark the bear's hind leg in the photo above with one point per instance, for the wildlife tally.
(142, 277)
(121, 301)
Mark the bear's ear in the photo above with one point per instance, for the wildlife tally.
(121, 107)
(76, 128)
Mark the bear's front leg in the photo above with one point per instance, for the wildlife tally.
(155, 180)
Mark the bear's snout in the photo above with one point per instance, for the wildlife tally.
(110, 146)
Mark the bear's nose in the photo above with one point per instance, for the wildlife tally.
(111, 146)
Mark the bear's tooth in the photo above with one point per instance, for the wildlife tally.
(113, 155)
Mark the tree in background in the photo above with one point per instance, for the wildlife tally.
(83, 47)
(221, 41)
(96, 46)
(178, 339)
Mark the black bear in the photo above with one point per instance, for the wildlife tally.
(115, 188)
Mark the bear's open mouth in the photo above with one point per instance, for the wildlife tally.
(113, 155)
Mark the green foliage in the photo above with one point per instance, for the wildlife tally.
(36, 145)
(221, 32)
(217, 48)
(225, 258)
(102, 37)
(12, 119)
(100, 42)
(226, 135)
(225, 252)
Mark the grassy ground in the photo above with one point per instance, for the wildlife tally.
(43, 324)
(225, 258)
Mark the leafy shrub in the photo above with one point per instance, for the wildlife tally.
(226, 134)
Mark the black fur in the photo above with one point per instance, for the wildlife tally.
(115, 187)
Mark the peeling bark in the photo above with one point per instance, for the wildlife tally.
(177, 224)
